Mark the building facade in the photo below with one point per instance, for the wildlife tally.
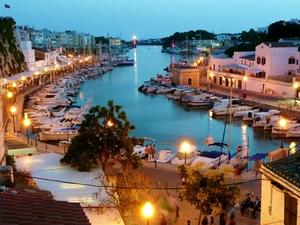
(271, 69)
(281, 191)
(186, 75)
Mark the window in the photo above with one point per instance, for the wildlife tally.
(263, 61)
(290, 210)
(292, 60)
(258, 60)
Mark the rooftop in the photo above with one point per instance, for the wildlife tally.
(287, 168)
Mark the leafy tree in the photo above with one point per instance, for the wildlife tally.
(128, 190)
(209, 190)
(104, 134)
(283, 29)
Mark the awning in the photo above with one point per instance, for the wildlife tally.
(15, 146)
(18, 77)
(234, 66)
(257, 70)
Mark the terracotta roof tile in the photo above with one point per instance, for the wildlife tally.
(288, 168)
(31, 207)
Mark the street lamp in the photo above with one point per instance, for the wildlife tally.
(245, 79)
(148, 211)
(13, 110)
(185, 147)
(295, 85)
(211, 75)
(282, 123)
(27, 123)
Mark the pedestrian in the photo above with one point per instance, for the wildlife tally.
(256, 167)
(223, 217)
(237, 173)
(146, 152)
(150, 153)
(154, 152)
(205, 221)
(231, 220)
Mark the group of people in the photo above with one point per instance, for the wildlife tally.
(150, 152)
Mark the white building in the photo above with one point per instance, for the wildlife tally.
(29, 54)
(271, 69)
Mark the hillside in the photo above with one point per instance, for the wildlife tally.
(12, 60)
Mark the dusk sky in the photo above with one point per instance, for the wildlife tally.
(149, 18)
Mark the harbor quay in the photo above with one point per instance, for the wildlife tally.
(166, 173)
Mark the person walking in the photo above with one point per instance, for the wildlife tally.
(231, 220)
(223, 217)
(146, 152)
(150, 158)
(154, 152)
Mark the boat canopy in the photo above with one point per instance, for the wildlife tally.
(256, 157)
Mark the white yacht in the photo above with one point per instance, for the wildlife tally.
(224, 107)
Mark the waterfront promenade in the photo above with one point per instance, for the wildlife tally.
(168, 171)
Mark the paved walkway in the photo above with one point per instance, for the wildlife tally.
(163, 178)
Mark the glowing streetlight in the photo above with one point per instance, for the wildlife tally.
(282, 123)
(245, 79)
(185, 147)
(295, 85)
(109, 123)
(13, 110)
(9, 94)
(27, 123)
(148, 211)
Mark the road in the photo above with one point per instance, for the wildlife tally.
(163, 180)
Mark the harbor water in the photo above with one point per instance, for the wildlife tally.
(168, 120)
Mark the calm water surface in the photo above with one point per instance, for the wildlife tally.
(164, 119)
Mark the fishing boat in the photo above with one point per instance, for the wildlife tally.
(165, 155)
(58, 134)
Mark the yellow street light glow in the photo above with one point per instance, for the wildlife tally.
(9, 94)
(14, 84)
(201, 58)
(13, 109)
(295, 85)
(282, 122)
(27, 122)
(211, 74)
(245, 78)
(148, 209)
(109, 123)
(185, 146)
(23, 78)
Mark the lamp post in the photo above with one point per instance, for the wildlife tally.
(148, 211)
(245, 79)
(27, 123)
(13, 110)
(295, 85)
(211, 75)
(282, 123)
(185, 147)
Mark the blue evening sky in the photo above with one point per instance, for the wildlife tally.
(149, 18)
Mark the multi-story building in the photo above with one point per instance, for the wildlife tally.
(271, 69)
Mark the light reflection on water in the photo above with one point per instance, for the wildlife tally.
(164, 119)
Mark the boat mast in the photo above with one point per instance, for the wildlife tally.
(109, 48)
(100, 52)
(187, 49)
